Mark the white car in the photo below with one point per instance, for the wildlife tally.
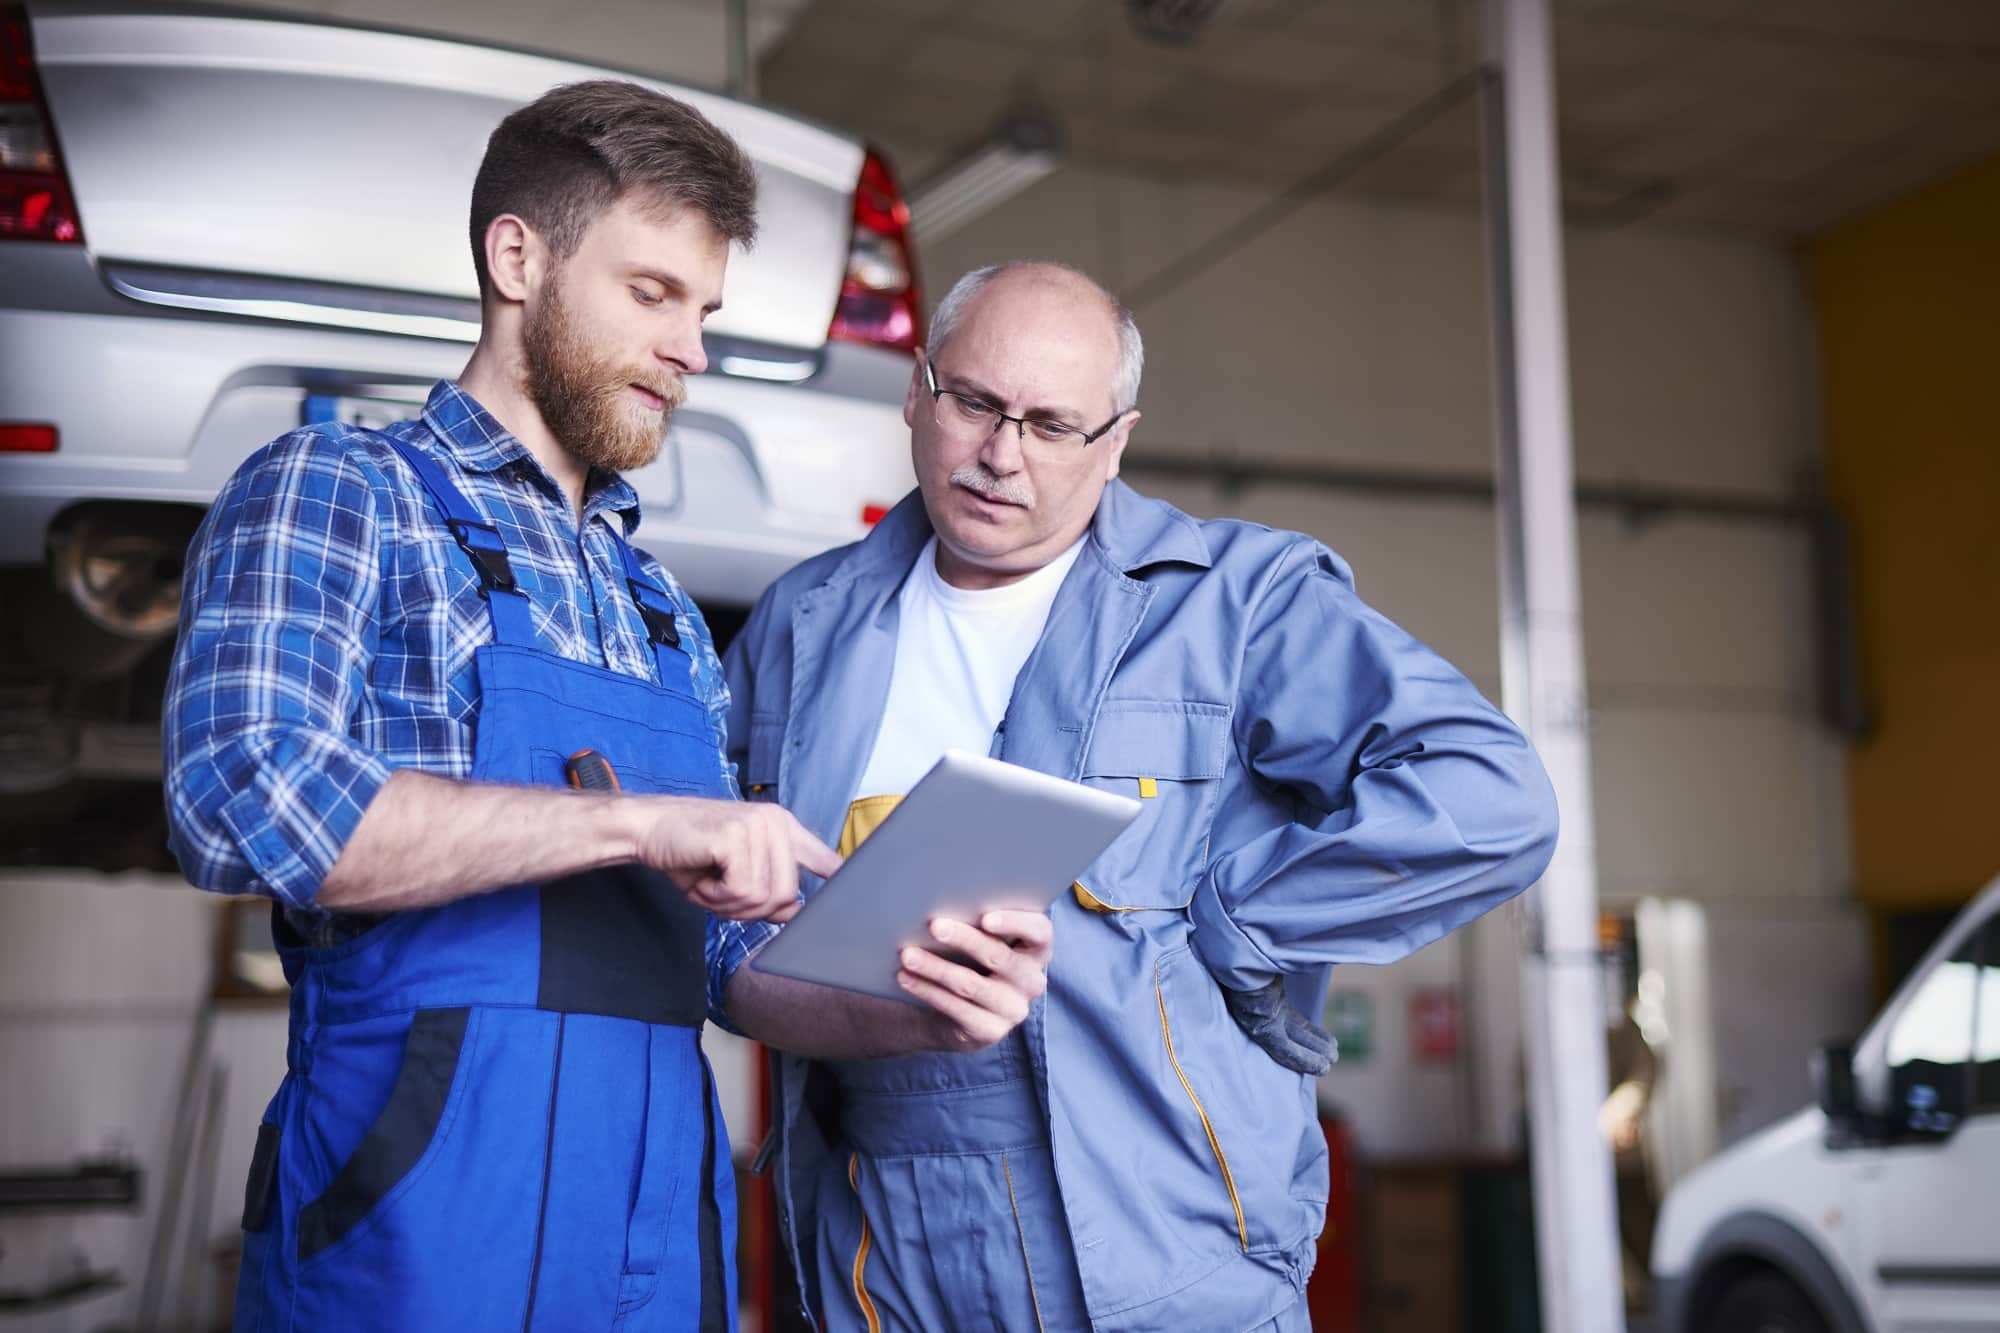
(1877, 1211)
(215, 227)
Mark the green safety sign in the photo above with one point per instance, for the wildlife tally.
(1350, 1017)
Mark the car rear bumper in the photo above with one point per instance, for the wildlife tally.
(162, 406)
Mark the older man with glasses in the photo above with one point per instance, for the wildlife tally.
(1317, 786)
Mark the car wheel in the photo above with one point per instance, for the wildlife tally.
(1765, 1303)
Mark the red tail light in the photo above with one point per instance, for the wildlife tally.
(879, 302)
(35, 199)
(25, 437)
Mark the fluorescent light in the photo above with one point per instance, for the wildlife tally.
(1024, 148)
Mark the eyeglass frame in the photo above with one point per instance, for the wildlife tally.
(1020, 423)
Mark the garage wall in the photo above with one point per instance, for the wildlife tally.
(1355, 335)
(101, 986)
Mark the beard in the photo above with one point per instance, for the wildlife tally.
(584, 395)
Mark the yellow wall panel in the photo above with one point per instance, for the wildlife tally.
(1909, 310)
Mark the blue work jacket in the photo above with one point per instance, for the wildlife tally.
(1317, 786)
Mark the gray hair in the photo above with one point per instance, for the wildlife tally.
(1131, 349)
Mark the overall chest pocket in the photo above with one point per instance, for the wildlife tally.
(1169, 754)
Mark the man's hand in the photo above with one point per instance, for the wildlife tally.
(734, 858)
(1274, 1023)
(972, 1010)
(1622, 1117)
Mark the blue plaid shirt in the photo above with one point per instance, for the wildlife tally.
(321, 648)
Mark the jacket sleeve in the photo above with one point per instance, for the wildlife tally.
(264, 785)
(1418, 805)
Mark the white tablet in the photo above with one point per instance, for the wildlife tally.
(974, 834)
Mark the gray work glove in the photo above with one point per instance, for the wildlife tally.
(1287, 1036)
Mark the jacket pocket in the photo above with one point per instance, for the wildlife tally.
(1258, 1119)
(1170, 755)
(399, 1139)
(1208, 1122)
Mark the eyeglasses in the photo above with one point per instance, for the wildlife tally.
(966, 414)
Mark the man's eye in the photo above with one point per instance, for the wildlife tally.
(973, 408)
(1055, 432)
(644, 297)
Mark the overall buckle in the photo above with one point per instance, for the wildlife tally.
(495, 573)
(660, 627)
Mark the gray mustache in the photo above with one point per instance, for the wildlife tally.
(976, 477)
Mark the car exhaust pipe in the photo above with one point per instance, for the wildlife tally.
(114, 584)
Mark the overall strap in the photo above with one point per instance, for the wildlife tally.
(513, 619)
(657, 609)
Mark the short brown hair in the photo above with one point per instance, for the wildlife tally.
(569, 155)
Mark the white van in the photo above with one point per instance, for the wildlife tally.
(1877, 1211)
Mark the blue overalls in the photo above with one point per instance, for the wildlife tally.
(497, 1114)
(941, 1213)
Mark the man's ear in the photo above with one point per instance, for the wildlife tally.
(513, 254)
(1120, 434)
(913, 400)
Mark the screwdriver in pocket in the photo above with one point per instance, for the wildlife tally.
(587, 770)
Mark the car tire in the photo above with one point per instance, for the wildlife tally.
(1764, 1303)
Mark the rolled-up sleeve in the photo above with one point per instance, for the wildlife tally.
(729, 946)
(1419, 805)
(264, 784)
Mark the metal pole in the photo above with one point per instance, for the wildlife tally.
(208, 1149)
(1542, 676)
(742, 71)
(159, 1249)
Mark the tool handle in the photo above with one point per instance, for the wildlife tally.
(587, 770)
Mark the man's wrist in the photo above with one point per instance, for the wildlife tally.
(619, 825)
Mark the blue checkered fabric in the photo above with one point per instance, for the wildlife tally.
(328, 625)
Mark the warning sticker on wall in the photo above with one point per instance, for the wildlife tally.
(1435, 1024)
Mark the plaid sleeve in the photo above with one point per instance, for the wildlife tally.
(264, 785)
(728, 946)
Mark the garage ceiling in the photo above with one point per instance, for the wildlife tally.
(1777, 117)
(1771, 116)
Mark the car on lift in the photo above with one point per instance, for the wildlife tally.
(217, 226)
(1877, 1210)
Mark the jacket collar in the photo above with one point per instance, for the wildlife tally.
(1136, 531)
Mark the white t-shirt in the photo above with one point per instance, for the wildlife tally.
(957, 653)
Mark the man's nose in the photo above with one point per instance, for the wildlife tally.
(682, 347)
(1002, 450)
